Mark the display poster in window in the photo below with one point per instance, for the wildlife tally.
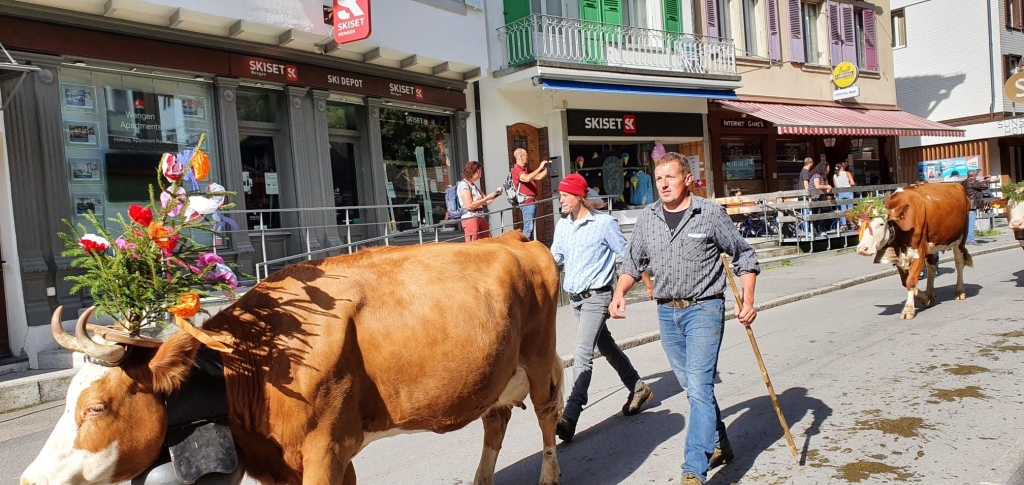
(270, 183)
(694, 163)
(948, 169)
(85, 169)
(79, 97)
(140, 120)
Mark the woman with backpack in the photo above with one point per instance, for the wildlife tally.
(474, 223)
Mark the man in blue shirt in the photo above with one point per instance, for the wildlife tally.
(586, 242)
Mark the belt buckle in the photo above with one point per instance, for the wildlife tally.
(680, 304)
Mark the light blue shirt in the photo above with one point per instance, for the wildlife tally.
(588, 251)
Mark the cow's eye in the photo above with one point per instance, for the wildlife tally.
(96, 409)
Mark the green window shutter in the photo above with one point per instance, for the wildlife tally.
(672, 20)
(589, 10)
(516, 9)
(612, 11)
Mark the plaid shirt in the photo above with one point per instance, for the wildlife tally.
(686, 263)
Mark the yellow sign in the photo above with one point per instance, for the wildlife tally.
(845, 74)
(1014, 88)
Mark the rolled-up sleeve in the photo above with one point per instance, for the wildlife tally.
(614, 239)
(636, 258)
(557, 251)
(744, 258)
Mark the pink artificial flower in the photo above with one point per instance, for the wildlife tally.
(92, 243)
(207, 259)
(165, 200)
(223, 274)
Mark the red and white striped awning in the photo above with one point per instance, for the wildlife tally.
(826, 120)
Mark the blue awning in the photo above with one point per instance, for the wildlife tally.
(627, 89)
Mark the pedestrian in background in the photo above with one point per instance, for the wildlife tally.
(525, 182)
(844, 180)
(680, 239)
(975, 187)
(474, 223)
(587, 242)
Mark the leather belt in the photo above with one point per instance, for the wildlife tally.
(683, 304)
(578, 297)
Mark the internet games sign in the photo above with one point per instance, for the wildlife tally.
(351, 20)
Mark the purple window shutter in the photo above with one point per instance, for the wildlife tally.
(849, 35)
(774, 38)
(711, 12)
(796, 32)
(870, 40)
(835, 33)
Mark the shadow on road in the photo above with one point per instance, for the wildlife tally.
(1020, 278)
(757, 428)
(612, 450)
(942, 294)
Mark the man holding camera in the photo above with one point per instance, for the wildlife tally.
(525, 182)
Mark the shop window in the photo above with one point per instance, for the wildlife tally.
(864, 161)
(417, 158)
(789, 156)
(341, 117)
(742, 163)
(256, 106)
(116, 127)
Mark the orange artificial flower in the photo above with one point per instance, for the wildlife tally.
(187, 307)
(162, 237)
(200, 164)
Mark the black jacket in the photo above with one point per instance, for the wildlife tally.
(974, 188)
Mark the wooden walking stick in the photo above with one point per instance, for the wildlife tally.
(757, 353)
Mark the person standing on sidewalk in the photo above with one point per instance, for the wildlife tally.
(844, 180)
(474, 221)
(975, 188)
(525, 181)
(586, 242)
(680, 239)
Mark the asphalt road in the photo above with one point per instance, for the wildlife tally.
(869, 399)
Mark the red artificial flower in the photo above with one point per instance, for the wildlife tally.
(141, 215)
(92, 243)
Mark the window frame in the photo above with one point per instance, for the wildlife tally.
(810, 26)
(724, 19)
(1013, 16)
(859, 39)
(749, 8)
(899, 28)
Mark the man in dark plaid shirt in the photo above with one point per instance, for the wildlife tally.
(679, 240)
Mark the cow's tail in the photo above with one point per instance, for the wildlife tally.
(968, 260)
(556, 404)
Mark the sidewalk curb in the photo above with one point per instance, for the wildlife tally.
(29, 391)
(629, 343)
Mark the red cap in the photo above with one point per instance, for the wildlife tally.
(574, 184)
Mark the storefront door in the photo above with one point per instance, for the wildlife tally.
(5, 341)
(259, 179)
(344, 157)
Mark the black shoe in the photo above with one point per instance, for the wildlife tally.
(721, 456)
(636, 400)
(565, 430)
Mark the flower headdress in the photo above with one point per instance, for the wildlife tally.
(154, 265)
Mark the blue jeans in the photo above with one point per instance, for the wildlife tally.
(972, 221)
(592, 314)
(844, 208)
(691, 339)
(529, 214)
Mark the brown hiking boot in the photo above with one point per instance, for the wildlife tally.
(690, 479)
(721, 456)
(636, 400)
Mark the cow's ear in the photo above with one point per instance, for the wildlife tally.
(902, 215)
(173, 362)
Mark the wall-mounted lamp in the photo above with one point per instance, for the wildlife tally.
(857, 142)
(830, 142)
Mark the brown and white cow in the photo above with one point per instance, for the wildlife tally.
(923, 221)
(330, 355)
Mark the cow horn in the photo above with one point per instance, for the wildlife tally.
(57, 329)
(111, 354)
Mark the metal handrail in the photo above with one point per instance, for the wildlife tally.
(547, 37)
(349, 246)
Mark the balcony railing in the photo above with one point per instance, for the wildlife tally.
(545, 37)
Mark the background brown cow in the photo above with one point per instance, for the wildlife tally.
(330, 355)
(922, 222)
